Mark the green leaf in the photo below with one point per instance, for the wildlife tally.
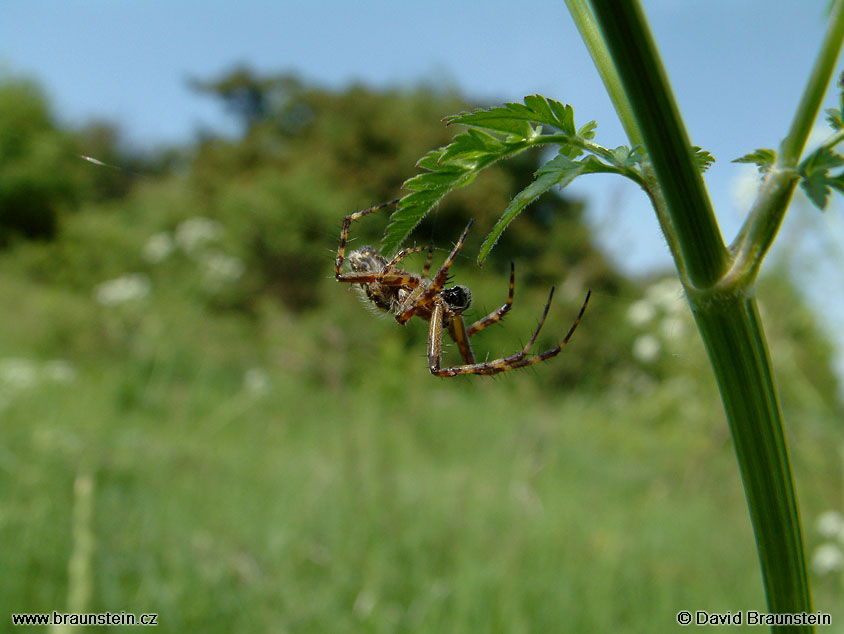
(559, 171)
(588, 131)
(764, 158)
(435, 180)
(816, 181)
(447, 169)
(703, 158)
(821, 160)
(473, 145)
(410, 211)
(499, 133)
(623, 156)
(516, 118)
(426, 191)
(431, 160)
(818, 188)
(817, 191)
(835, 119)
(840, 84)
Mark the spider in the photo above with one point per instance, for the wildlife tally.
(406, 295)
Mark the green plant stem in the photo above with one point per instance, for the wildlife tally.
(768, 210)
(648, 91)
(584, 20)
(833, 140)
(727, 317)
(735, 341)
(565, 139)
(810, 102)
(760, 228)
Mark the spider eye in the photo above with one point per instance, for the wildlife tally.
(457, 298)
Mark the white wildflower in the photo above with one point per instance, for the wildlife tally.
(220, 268)
(159, 247)
(830, 524)
(196, 232)
(641, 312)
(673, 328)
(364, 604)
(59, 371)
(256, 381)
(126, 288)
(646, 348)
(667, 294)
(18, 373)
(827, 558)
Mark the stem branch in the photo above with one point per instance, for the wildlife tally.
(766, 215)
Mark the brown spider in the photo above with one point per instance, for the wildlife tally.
(407, 294)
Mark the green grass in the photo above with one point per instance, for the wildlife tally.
(435, 509)
(354, 492)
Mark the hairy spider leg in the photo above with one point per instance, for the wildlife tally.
(344, 236)
(458, 332)
(496, 315)
(404, 253)
(393, 279)
(423, 295)
(553, 352)
(428, 260)
(517, 360)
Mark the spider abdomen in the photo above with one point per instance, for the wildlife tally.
(384, 297)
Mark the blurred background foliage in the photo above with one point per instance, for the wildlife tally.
(262, 453)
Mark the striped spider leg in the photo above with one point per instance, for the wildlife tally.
(518, 360)
(406, 295)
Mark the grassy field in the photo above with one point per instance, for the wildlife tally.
(266, 502)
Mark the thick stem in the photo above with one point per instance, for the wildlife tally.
(588, 29)
(669, 150)
(735, 342)
(584, 20)
(727, 316)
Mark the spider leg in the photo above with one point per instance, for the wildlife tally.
(442, 275)
(496, 315)
(398, 257)
(457, 330)
(553, 352)
(517, 360)
(344, 235)
(391, 279)
(435, 335)
(427, 266)
(415, 301)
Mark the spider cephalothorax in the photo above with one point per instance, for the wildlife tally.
(406, 295)
(457, 298)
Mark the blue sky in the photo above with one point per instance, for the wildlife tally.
(737, 67)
